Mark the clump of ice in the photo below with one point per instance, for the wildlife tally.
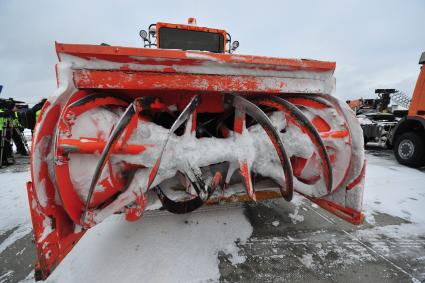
(296, 217)
(307, 260)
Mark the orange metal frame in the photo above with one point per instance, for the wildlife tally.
(178, 57)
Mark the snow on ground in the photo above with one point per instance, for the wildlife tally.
(160, 248)
(398, 191)
(13, 200)
(394, 189)
(14, 206)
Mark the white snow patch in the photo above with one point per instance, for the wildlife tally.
(196, 55)
(159, 248)
(4, 277)
(394, 189)
(295, 217)
(47, 229)
(13, 200)
(307, 260)
(17, 234)
(401, 231)
(29, 279)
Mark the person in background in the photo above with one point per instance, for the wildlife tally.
(18, 136)
(28, 117)
(6, 117)
(13, 121)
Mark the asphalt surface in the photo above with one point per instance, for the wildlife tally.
(310, 246)
(322, 248)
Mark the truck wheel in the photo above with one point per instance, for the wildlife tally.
(409, 149)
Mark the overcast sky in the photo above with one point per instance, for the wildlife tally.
(375, 43)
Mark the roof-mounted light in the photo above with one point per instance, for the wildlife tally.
(143, 34)
(235, 45)
(191, 21)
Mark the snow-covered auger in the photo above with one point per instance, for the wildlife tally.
(132, 129)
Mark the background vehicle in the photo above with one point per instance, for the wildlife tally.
(392, 127)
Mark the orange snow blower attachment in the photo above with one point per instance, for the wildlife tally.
(132, 129)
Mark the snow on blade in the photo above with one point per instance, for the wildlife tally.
(253, 146)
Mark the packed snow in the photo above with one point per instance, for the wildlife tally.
(160, 248)
(397, 190)
(15, 213)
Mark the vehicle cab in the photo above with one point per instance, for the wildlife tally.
(188, 37)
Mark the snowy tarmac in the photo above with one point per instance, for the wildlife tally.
(272, 241)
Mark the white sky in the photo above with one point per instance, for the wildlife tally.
(376, 44)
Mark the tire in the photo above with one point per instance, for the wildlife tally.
(409, 149)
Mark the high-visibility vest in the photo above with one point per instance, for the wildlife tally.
(37, 114)
(15, 121)
(2, 120)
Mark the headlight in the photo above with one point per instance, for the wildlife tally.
(143, 34)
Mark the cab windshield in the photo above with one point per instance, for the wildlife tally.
(173, 38)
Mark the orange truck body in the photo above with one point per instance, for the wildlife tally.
(417, 104)
(408, 137)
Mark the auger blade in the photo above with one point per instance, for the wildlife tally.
(298, 117)
(96, 96)
(181, 207)
(246, 179)
(261, 118)
(188, 114)
(314, 99)
(240, 127)
(137, 106)
(178, 207)
(191, 124)
(113, 139)
(194, 175)
(184, 115)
